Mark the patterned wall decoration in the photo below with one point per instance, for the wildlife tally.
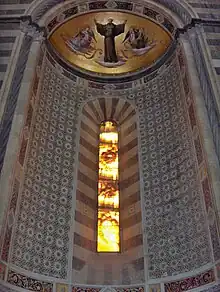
(161, 99)
(108, 5)
(56, 114)
(191, 283)
(21, 156)
(42, 229)
(177, 237)
(28, 283)
(107, 289)
(130, 90)
(81, 289)
(205, 181)
(132, 289)
(203, 10)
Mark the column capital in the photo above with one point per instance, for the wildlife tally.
(32, 29)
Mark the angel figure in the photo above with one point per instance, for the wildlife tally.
(136, 38)
(142, 40)
(81, 42)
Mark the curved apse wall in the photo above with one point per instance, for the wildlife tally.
(174, 225)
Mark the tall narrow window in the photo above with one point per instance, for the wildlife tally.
(108, 190)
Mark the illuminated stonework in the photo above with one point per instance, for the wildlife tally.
(108, 192)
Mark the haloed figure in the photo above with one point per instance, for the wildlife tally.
(110, 31)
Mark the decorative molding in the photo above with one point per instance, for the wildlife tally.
(109, 289)
(190, 283)
(31, 29)
(38, 9)
(85, 289)
(29, 283)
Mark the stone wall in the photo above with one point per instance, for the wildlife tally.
(14, 9)
(177, 203)
(181, 245)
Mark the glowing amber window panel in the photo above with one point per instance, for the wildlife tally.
(108, 235)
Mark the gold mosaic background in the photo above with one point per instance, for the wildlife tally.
(71, 28)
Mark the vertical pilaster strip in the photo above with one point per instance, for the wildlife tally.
(6, 122)
(209, 91)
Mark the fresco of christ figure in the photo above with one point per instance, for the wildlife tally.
(110, 31)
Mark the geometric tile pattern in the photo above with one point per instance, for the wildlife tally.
(49, 269)
(41, 241)
(175, 224)
(176, 236)
(81, 289)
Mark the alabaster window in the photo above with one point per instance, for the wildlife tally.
(108, 233)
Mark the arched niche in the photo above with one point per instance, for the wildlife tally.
(89, 266)
(168, 87)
